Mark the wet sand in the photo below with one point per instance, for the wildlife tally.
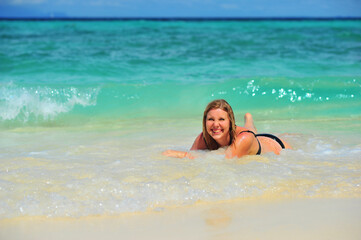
(246, 219)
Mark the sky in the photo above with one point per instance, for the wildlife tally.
(180, 8)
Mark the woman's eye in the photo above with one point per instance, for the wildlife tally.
(210, 119)
(221, 119)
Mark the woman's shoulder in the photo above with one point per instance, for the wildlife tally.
(199, 143)
(244, 136)
(245, 143)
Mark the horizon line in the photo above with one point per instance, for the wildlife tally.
(177, 18)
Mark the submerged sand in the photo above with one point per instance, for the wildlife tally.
(244, 219)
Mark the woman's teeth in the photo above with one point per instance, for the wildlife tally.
(217, 131)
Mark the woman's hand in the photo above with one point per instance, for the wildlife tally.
(177, 154)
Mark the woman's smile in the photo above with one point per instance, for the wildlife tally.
(217, 131)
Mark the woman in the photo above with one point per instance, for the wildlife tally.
(220, 130)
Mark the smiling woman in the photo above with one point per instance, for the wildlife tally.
(220, 130)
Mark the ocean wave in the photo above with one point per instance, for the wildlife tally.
(266, 98)
(42, 103)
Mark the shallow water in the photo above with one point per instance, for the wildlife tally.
(89, 171)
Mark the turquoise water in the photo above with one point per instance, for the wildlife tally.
(59, 71)
(86, 108)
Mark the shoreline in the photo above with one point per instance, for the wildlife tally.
(338, 218)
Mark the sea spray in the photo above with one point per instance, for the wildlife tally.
(23, 104)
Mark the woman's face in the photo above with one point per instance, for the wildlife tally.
(217, 125)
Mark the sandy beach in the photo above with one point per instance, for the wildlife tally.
(247, 219)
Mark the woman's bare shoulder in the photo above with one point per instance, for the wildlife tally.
(199, 143)
(243, 145)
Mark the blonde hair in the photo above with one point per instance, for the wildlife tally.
(218, 104)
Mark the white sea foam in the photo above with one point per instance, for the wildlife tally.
(23, 103)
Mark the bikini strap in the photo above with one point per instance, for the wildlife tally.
(272, 137)
(259, 144)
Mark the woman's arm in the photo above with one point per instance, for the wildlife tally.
(198, 144)
(177, 154)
